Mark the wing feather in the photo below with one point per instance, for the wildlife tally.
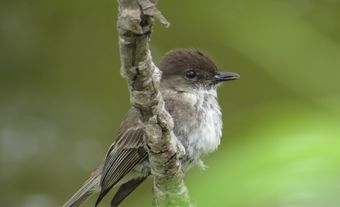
(127, 151)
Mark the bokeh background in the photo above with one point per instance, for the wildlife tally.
(62, 99)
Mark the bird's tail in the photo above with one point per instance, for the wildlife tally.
(92, 185)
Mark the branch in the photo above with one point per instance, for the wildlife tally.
(164, 150)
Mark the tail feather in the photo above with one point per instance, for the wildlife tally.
(125, 189)
(92, 185)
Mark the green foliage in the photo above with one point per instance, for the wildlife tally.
(62, 99)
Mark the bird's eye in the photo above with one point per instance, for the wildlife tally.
(190, 74)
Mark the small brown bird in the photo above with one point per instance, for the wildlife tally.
(188, 85)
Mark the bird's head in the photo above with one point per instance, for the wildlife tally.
(184, 70)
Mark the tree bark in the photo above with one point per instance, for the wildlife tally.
(134, 27)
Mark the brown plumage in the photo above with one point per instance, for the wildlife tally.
(179, 59)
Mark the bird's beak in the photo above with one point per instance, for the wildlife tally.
(225, 76)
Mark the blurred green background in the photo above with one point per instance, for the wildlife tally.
(62, 99)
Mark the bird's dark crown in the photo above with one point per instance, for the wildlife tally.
(178, 60)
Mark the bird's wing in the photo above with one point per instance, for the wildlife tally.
(127, 151)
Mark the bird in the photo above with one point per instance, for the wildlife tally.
(188, 84)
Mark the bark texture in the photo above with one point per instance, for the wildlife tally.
(134, 27)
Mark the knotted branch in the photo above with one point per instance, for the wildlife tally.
(134, 28)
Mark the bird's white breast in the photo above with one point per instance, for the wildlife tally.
(198, 123)
(206, 137)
